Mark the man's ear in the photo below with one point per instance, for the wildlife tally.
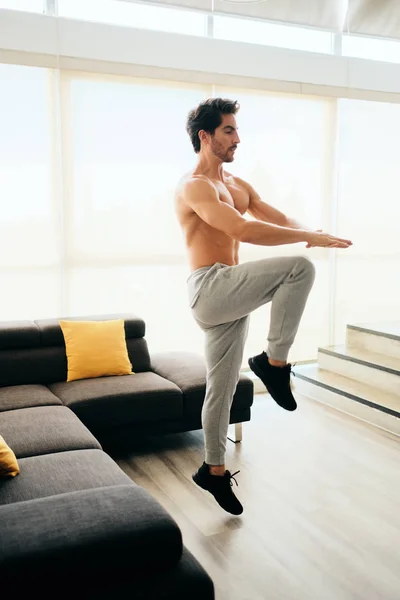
(203, 136)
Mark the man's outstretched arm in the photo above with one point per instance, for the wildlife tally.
(202, 197)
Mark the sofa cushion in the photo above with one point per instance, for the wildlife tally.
(187, 579)
(108, 402)
(97, 533)
(188, 371)
(44, 429)
(32, 366)
(138, 355)
(24, 396)
(50, 474)
(18, 334)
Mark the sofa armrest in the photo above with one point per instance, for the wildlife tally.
(185, 369)
(97, 533)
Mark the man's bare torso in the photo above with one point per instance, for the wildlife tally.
(205, 244)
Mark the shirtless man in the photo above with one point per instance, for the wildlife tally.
(222, 293)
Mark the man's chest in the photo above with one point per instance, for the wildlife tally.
(234, 195)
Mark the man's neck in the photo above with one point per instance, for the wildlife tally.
(211, 166)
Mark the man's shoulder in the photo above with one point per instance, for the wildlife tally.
(194, 181)
(181, 186)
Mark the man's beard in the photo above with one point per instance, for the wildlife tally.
(223, 154)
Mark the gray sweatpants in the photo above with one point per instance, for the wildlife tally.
(221, 298)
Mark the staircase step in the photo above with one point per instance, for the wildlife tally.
(375, 360)
(355, 390)
(389, 329)
(352, 397)
(377, 370)
(383, 338)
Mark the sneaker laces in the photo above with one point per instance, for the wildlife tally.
(287, 371)
(233, 477)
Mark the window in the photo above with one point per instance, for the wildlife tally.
(270, 34)
(371, 48)
(129, 14)
(127, 152)
(368, 213)
(29, 224)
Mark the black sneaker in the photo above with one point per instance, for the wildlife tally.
(220, 487)
(275, 379)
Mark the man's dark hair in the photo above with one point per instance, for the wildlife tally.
(208, 116)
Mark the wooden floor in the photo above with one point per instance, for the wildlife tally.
(321, 496)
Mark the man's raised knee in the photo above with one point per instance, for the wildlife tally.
(306, 266)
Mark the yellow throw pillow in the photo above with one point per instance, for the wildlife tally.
(95, 349)
(8, 461)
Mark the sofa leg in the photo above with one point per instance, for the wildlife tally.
(238, 434)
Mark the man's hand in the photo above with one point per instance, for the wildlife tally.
(325, 240)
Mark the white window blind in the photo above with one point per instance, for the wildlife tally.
(29, 221)
(371, 17)
(127, 150)
(367, 275)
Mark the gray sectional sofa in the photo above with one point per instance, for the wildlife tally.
(72, 522)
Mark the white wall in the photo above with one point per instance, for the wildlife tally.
(83, 45)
